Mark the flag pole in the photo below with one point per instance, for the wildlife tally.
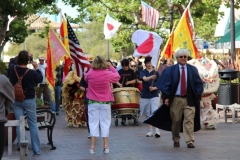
(188, 6)
(108, 49)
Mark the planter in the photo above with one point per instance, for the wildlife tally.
(10, 116)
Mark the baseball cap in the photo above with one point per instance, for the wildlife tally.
(41, 58)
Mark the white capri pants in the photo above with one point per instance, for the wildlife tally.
(149, 105)
(99, 119)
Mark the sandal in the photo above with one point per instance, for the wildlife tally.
(106, 150)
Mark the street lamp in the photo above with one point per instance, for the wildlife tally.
(233, 56)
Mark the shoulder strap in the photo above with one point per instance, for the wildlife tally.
(17, 73)
(25, 73)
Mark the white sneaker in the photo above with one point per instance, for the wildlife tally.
(106, 151)
(157, 134)
(91, 151)
(149, 134)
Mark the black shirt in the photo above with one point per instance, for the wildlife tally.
(29, 81)
(127, 75)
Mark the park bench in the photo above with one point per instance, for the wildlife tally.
(47, 122)
(23, 142)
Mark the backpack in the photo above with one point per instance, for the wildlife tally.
(18, 90)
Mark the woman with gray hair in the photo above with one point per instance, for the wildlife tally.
(100, 98)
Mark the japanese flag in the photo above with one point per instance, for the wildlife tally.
(148, 45)
(110, 27)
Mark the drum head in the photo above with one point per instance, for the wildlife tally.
(125, 89)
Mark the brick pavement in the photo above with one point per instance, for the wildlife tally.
(129, 143)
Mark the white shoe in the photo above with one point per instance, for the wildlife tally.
(157, 134)
(149, 134)
(106, 151)
(91, 151)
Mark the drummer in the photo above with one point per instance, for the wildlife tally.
(133, 66)
(150, 100)
(128, 79)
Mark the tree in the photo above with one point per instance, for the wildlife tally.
(92, 41)
(33, 44)
(204, 12)
(21, 9)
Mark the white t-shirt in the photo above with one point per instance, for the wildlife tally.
(42, 68)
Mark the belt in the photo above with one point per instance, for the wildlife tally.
(181, 96)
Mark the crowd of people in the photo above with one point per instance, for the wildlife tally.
(166, 83)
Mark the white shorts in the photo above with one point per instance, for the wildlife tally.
(149, 105)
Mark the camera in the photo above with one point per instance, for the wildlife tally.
(30, 59)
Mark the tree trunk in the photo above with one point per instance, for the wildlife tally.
(3, 31)
(1, 48)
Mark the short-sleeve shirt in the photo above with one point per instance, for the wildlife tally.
(127, 75)
(145, 85)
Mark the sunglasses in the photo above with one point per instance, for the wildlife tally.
(133, 66)
(182, 56)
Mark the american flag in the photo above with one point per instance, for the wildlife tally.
(79, 59)
(150, 15)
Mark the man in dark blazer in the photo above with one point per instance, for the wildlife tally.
(181, 89)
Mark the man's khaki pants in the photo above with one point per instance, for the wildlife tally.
(178, 110)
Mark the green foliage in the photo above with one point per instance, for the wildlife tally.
(3, 67)
(204, 13)
(33, 44)
(39, 102)
(93, 42)
(16, 27)
(21, 9)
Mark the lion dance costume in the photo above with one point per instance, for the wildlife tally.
(208, 71)
(72, 99)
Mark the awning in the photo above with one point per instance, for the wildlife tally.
(225, 41)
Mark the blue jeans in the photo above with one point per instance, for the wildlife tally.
(28, 106)
(57, 92)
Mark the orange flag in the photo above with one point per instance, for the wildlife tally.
(56, 51)
(167, 51)
(49, 70)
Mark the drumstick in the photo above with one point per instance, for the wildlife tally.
(153, 79)
(123, 80)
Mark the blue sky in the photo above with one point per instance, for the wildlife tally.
(72, 12)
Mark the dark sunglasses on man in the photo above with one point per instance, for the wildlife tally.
(183, 56)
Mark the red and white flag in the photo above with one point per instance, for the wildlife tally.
(78, 58)
(110, 27)
(148, 45)
(150, 15)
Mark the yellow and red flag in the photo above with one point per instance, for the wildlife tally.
(56, 51)
(64, 38)
(183, 35)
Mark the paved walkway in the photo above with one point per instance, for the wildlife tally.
(129, 143)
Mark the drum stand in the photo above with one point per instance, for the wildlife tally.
(124, 113)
